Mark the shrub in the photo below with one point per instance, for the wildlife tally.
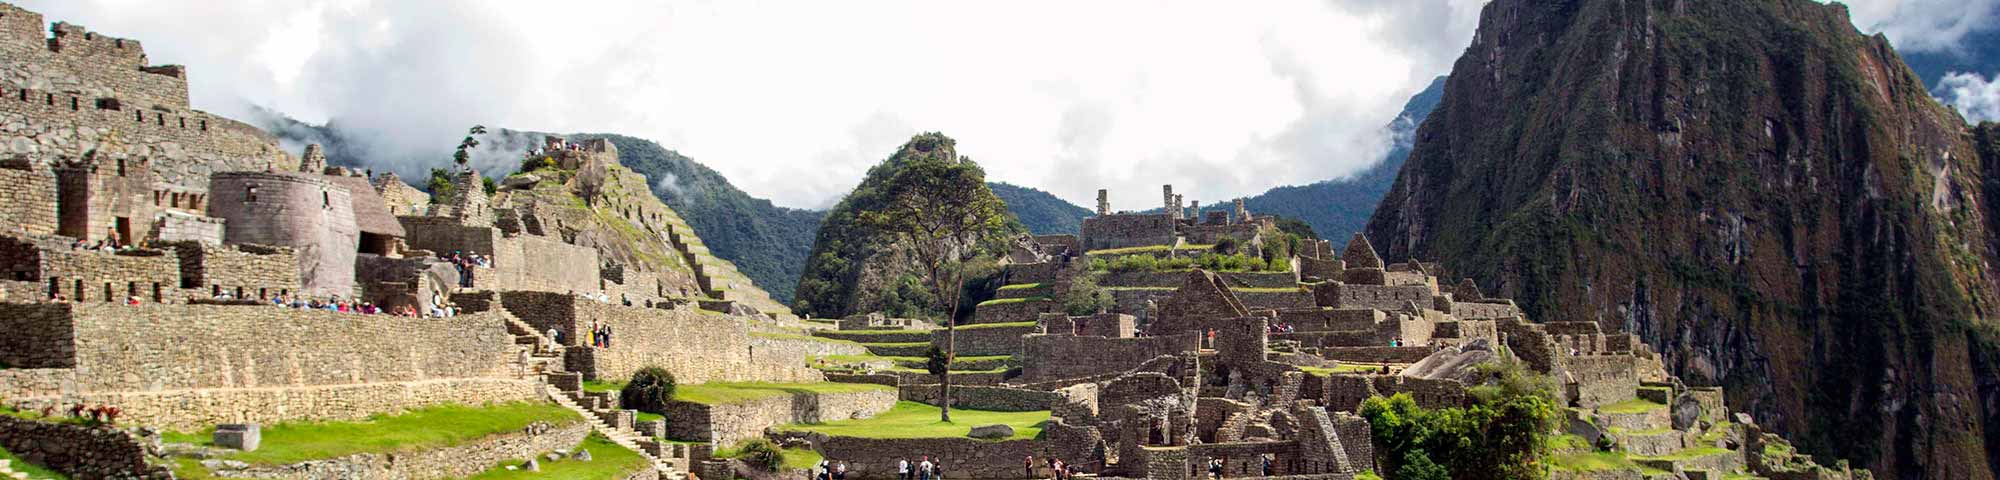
(761, 453)
(1224, 246)
(537, 163)
(649, 391)
(1085, 298)
(1501, 435)
(936, 361)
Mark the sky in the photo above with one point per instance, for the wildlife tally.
(794, 100)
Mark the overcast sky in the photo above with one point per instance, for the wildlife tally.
(794, 100)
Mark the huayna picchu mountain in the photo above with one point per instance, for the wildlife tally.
(1761, 192)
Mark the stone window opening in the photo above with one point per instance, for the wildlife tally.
(108, 103)
(79, 289)
(157, 297)
(49, 98)
(325, 200)
(239, 293)
(160, 119)
(55, 286)
(251, 194)
(184, 122)
(132, 289)
(204, 125)
(23, 94)
(107, 293)
(215, 290)
(139, 116)
(121, 167)
(73, 106)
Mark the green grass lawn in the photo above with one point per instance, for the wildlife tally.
(1023, 286)
(602, 386)
(428, 428)
(1633, 405)
(607, 461)
(795, 458)
(723, 393)
(917, 420)
(36, 472)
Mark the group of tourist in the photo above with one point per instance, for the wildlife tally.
(922, 470)
(107, 245)
(830, 470)
(1058, 469)
(1282, 328)
(600, 334)
(336, 304)
(464, 263)
(1216, 466)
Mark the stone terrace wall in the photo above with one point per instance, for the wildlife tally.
(78, 451)
(452, 462)
(1013, 312)
(999, 399)
(187, 366)
(1353, 296)
(1056, 357)
(1601, 379)
(697, 347)
(1383, 354)
(543, 263)
(963, 457)
(38, 336)
(725, 425)
(1275, 300)
(986, 341)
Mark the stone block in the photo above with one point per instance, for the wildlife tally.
(240, 436)
(992, 432)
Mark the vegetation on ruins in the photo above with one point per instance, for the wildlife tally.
(21, 465)
(1086, 298)
(470, 142)
(761, 453)
(1235, 262)
(439, 185)
(650, 389)
(1502, 434)
(421, 429)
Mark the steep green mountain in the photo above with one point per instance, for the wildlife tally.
(767, 242)
(1766, 196)
(1040, 211)
(1339, 208)
(854, 268)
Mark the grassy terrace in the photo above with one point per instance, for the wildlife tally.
(1147, 249)
(1004, 301)
(1634, 405)
(1342, 368)
(917, 420)
(422, 429)
(1023, 286)
(34, 471)
(607, 461)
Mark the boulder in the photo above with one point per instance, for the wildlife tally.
(581, 455)
(992, 432)
(1686, 412)
(522, 181)
(240, 436)
(532, 466)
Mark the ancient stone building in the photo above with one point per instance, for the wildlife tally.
(308, 213)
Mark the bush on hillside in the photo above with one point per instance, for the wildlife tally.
(1086, 298)
(761, 453)
(649, 391)
(1501, 435)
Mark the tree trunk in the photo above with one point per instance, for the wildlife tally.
(950, 344)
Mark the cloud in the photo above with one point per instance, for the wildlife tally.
(1975, 97)
(1924, 25)
(794, 100)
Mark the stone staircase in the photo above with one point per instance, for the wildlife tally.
(667, 459)
(545, 363)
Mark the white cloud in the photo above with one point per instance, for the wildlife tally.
(1977, 98)
(1924, 25)
(794, 100)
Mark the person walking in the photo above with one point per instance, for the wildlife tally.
(903, 469)
(924, 469)
(1028, 467)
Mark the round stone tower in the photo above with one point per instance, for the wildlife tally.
(313, 216)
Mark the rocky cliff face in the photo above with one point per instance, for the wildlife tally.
(1768, 197)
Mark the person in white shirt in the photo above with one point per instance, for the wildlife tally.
(924, 469)
(903, 469)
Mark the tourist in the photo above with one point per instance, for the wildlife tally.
(555, 338)
(57, 297)
(1215, 468)
(133, 301)
(840, 471)
(937, 470)
(903, 469)
(1028, 467)
(1267, 465)
(924, 469)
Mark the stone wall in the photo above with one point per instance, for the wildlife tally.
(698, 347)
(78, 451)
(1127, 230)
(183, 227)
(975, 397)
(460, 461)
(982, 341)
(90, 275)
(1382, 354)
(187, 366)
(1256, 299)
(29, 201)
(244, 271)
(307, 213)
(1013, 312)
(962, 457)
(1600, 379)
(1353, 296)
(1345, 392)
(1057, 357)
(725, 425)
(523, 262)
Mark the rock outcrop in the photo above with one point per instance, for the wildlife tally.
(1765, 195)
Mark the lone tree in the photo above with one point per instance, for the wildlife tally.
(467, 144)
(940, 209)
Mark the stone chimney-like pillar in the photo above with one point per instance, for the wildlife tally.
(1242, 214)
(314, 161)
(1103, 202)
(1167, 198)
